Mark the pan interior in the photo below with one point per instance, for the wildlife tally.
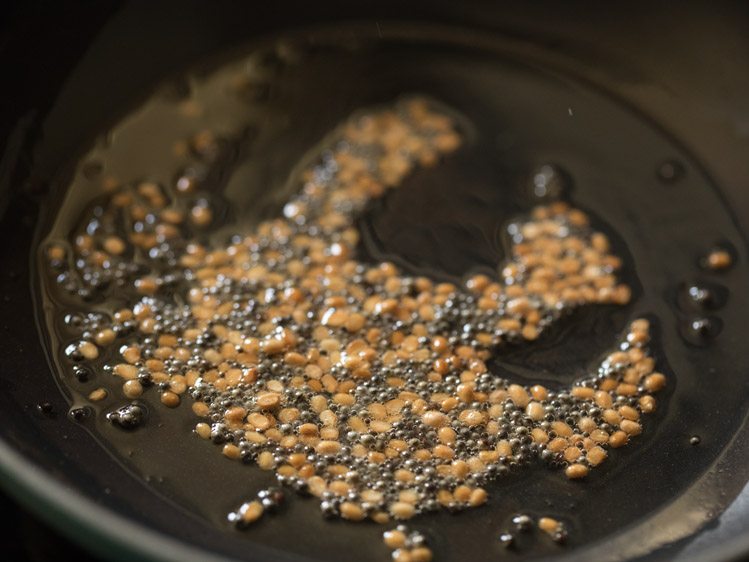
(298, 87)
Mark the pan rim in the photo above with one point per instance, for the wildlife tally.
(101, 531)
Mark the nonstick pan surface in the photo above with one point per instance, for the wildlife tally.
(60, 470)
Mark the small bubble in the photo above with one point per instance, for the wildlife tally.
(79, 413)
(548, 182)
(701, 296)
(694, 440)
(522, 522)
(45, 408)
(560, 537)
(129, 416)
(700, 331)
(73, 353)
(75, 320)
(670, 171)
(506, 539)
(189, 179)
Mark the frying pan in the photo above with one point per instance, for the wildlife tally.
(75, 70)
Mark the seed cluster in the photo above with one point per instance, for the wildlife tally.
(354, 382)
(524, 524)
(267, 501)
(407, 546)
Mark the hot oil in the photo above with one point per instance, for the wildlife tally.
(268, 109)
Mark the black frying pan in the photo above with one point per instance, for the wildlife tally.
(78, 70)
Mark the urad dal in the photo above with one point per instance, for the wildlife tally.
(356, 382)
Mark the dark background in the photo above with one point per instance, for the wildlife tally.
(29, 71)
(26, 538)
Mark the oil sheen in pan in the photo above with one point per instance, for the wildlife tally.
(279, 100)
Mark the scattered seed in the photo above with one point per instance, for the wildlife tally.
(394, 538)
(548, 525)
(575, 471)
(251, 512)
(170, 399)
(554, 528)
(114, 245)
(88, 350)
(718, 259)
(98, 394)
(132, 389)
(406, 545)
